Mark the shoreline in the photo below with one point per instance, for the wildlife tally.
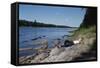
(72, 53)
(54, 54)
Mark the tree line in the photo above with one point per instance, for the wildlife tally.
(39, 24)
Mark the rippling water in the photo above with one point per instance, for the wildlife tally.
(28, 34)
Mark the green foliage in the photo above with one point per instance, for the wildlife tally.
(85, 32)
(90, 18)
(39, 24)
(94, 46)
(88, 26)
(24, 23)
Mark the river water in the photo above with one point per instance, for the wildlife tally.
(29, 34)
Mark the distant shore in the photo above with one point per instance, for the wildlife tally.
(40, 24)
(86, 50)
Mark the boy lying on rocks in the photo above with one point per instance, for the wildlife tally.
(67, 43)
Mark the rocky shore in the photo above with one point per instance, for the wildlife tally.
(85, 50)
(58, 54)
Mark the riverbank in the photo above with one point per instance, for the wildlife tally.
(79, 52)
(84, 51)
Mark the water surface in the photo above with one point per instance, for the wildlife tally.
(27, 35)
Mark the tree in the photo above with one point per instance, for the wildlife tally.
(90, 18)
(35, 21)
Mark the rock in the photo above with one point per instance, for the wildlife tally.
(57, 43)
(44, 44)
(56, 51)
(40, 57)
(26, 59)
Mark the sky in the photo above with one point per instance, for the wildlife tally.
(68, 16)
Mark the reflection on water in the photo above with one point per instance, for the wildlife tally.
(29, 35)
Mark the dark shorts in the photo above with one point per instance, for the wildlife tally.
(67, 43)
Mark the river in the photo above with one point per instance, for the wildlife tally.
(29, 34)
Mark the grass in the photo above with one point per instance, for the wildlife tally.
(83, 51)
(87, 32)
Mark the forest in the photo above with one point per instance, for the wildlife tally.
(35, 23)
